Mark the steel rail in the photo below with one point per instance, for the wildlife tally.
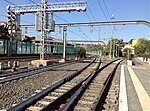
(31, 73)
(32, 69)
(25, 104)
(70, 105)
(106, 86)
(53, 105)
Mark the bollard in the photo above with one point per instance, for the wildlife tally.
(29, 63)
(9, 64)
(14, 64)
(143, 59)
(17, 64)
(148, 60)
(38, 64)
(1, 65)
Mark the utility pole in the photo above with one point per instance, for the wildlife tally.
(64, 42)
(114, 42)
(118, 49)
(111, 38)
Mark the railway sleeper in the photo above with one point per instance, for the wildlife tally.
(110, 107)
(92, 91)
(79, 108)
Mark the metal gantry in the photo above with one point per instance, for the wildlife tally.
(51, 7)
(44, 8)
(147, 23)
(96, 24)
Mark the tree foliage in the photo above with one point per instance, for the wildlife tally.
(140, 47)
(127, 53)
(4, 32)
(81, 52)
(115, 43)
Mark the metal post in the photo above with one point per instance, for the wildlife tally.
(43, 31)
(64, 42)
(10, 44)
(118, 50)
(110, 47)
(128, 54)
(113, 48)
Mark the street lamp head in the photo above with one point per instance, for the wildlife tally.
(113, 16)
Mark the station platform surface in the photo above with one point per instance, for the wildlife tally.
(135, 87)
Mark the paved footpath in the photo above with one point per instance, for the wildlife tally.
(135, 87)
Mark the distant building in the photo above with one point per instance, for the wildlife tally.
(130, 46)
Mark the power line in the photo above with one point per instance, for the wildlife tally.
(92, 16)
(88, 16)
(109, 15)
(106, 9)
(104, 12)
(102, 9)
(91, 13)
(32, 1)
(9, 2)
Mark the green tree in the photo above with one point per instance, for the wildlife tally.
(81, 52)
(127, 53)
(140, 46)
(4, 32)
(118, 43)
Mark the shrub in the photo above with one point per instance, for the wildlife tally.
(81, 52)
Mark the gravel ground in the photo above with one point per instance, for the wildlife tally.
(15, 91)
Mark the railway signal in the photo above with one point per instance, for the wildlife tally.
(11, 17)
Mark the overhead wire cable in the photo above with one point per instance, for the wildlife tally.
(104, 13)
(109, 15)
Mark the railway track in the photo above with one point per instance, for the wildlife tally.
(63, 94)
(89, 96)
(29, 72)
(66, 84)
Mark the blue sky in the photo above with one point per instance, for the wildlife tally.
(122, 10)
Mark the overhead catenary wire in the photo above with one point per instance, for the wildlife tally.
(109, 14)
(105, 14)
(91, 12)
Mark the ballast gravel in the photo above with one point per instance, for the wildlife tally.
(13, 92)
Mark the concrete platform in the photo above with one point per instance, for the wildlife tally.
(135, 95)
(41, 62)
